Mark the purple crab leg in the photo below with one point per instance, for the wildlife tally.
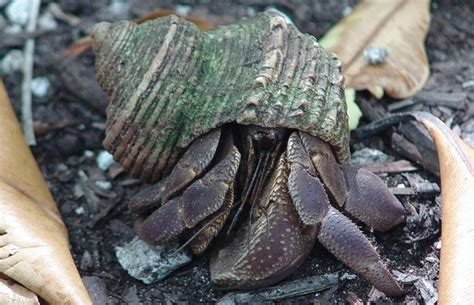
(346, 242)
(201, 199)
(194, 161)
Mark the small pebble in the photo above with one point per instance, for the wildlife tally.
(103, 185)
(183, 10)
(104, 160)
(12, 62)
(149, 263)
(47, 22)
(368, 156)
(40, 86)
(80, 210)
(375, 56)
(346, 11)
(401, 186)
(18, 11)
(467, 84)
(88, 153)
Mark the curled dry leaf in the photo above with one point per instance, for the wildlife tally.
(400, 27)
(34, 246)
(456, 159)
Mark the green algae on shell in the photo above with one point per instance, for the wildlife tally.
(170, 83)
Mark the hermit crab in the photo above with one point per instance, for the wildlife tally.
(242, 131)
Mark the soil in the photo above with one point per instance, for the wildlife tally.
(70, 120)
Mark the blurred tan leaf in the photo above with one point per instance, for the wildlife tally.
(12, 293)
(399, 26)
(34, 246)
(456, 160)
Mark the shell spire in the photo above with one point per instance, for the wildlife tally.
(170, 82)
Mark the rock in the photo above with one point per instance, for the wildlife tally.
(47, 22)
(12, 62)
(18, 11)
(96, 288)
(103, 185)
(104, 160)
(368, 156)
(40, 86)
(149, 263)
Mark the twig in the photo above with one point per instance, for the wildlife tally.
(27, 113)
(399, 166)
(296, 288)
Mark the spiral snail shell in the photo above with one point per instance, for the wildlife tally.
(170, 82)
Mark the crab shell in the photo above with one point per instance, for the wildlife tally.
(169, 83)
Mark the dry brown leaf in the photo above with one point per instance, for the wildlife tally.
(456, 159)
(34, 246)
(400, 26)
(12, 293)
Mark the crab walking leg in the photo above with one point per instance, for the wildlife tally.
(278, 241)
(346, 242)
(360, 192)
(194, 161)
(210, 228)
(370, 200)
(201, 199)
(305, 188)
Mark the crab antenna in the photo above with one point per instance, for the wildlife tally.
(195, 235)
(244, 199)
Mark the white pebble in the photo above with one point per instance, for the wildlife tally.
(47, 22)
(18, 11)
(183, 10)
(149, 263)
(104, 160)
(12, 62)
(401, 186)
(375, 56)
(88, 153)
(80, 210)
(40, 86)
(104, 185)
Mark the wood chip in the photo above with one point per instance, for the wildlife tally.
(292, 289)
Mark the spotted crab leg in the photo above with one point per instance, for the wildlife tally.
(199, 200)
(336, 232)
(271, 247)
(194, 161)
(358, 191)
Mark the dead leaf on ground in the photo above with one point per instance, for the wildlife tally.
(34, 246)
(456, 161)
(399, 26)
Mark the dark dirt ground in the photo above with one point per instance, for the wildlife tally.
(70, 126)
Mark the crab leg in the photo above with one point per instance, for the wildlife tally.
(201, 199)
(336, 232)
(194, 161)
(360, 192)
(346, 242)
